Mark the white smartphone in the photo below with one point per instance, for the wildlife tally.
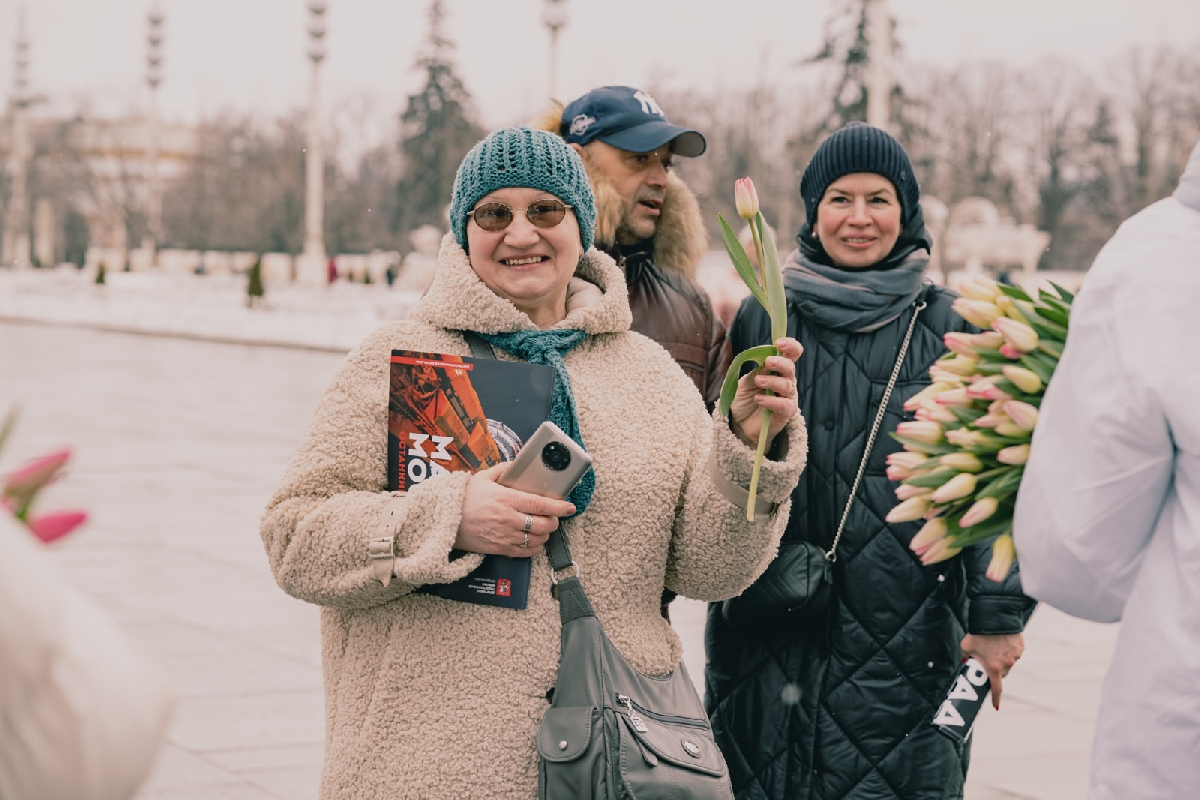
(549, 464)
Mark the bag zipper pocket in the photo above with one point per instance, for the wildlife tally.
(634, 712)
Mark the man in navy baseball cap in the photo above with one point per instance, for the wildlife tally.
(629, 119)
(649, 222)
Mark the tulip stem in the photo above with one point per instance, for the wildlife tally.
(758, 459)
(758, 252)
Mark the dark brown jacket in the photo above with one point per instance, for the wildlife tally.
(673, 310)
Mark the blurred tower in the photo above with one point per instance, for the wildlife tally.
(554, 17)
(311, 266)
(154, 40)
(879, 55)
(16, 229)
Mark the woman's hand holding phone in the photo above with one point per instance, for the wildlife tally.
(494, 517)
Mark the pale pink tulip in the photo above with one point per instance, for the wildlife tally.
(977, 287)
(1016, 455)
(898, 473)
(961, 343)
(991, 420)
(745, 197)
(921, 431)
(1022, 414)
(988, 340)
(988, 391)
(1008, 351)
(1018, 334)
(1009, 309)
(1012, 430)
(967, 438)
(906, 492)
(940, 375)
(979, 313)
(928, 394)
(936, 413)
(959, 365)
(930, 534)
(963, 462)
(979, 511)
(912, 509)
(1004, 552)
(903, 458)
(954, 397)
(25, 482)
(56, 524)
(940, 551)
(1025, 379)
(956, 488)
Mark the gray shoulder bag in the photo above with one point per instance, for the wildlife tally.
(612, 733)
(797, 584)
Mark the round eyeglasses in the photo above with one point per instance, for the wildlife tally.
(496, 216)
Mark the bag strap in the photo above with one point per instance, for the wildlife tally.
(479, 346)
(572, 600)
(887, 394)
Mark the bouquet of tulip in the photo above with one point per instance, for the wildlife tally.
(767, 288)
(964, 455)
(20, 489)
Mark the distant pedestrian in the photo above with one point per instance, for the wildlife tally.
(1108, 516)
(332, 270)
(254, 284)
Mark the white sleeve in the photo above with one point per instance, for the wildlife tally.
(1102, 456)
(82, 709)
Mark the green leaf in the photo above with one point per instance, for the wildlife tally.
(1053, 314)
(933, 480)
(728, 389)
(741, 262)
(773, 279)
(10, 421)
(966, 414)
(1052, 349)
(1047, 329)
(1063, 293)
(1015, 292)
(921, 447)
(1037, 366)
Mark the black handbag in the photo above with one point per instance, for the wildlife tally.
(798, 583)
(612, 733)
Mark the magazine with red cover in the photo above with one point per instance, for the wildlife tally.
(450, 413)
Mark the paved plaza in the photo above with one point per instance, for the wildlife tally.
(179, 443)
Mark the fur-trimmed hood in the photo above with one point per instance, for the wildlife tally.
(681, 240)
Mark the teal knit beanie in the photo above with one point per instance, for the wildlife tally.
(523, 158)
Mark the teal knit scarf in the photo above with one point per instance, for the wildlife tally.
(548, 347)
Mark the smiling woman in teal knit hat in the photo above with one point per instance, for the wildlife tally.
(427, 697)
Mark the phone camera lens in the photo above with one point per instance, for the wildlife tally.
(556, 456)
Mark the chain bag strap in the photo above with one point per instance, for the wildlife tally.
(887, 395)
(798, 583)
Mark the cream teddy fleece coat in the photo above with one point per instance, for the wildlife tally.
(431, 698)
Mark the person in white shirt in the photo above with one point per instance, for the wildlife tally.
(1108, 516)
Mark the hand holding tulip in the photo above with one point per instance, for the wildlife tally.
(997, 654)
(772, 387)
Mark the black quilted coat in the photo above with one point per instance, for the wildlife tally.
(841, 708)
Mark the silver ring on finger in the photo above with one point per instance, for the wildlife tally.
(528, 528)
(525, 544)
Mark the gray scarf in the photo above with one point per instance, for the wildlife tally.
(857, 301)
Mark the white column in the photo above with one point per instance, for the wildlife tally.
(153, 184)
(554, 16)
(311, 265)
(879, 54)
(16, 238)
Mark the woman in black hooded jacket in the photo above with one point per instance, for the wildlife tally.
(840, 705)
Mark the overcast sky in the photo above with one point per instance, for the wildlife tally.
(250, 54)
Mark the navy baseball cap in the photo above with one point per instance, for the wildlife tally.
(628, 119)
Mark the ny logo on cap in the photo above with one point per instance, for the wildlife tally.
(648, 104)
(581, 123)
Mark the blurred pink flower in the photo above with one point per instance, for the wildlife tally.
(56, 524)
